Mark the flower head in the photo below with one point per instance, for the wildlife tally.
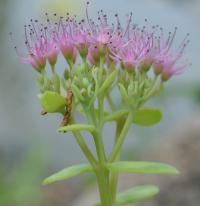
(167, 61)
(132, 47)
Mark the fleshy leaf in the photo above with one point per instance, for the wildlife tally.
(142, 168)
(68, 173)
(136, 194)
(147, 116)
(77, 127)
(52, 102)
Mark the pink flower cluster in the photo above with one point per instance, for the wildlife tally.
(132, 47)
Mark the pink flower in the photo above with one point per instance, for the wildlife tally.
(137, 52)
(132, 47)
(169, 62)
(52, 51)
(93, 55)
(67, 48)
(36, 46)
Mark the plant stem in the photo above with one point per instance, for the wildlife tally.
(85, 149)
(103, 183)
(114, 177)
(102, 173)
(120, 140)
(110, 102)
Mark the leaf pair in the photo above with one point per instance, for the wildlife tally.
(116, 167)
(130, 196)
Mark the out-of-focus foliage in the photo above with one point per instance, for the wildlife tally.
(21, 183)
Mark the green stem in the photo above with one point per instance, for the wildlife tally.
(52, 68)
(119, 143)
(110, 102)
(103, 184)
(114, 177)
(99, 127)
(102, 173)
(80, 140)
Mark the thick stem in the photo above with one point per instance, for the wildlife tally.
(103, 184)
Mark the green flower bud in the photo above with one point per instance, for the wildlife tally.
(85, 82)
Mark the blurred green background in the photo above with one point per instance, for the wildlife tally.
(30, 147)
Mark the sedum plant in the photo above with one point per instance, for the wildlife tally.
(101, 57)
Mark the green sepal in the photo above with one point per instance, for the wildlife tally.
(108, 82)
(147, 116)
(77, 127)
(140, 167)
(52, 102)
(68, 173)
(136, 194)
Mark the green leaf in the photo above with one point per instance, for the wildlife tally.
(147, 116)
(68, 173)
(142, 168)
(136, 194)
(77, 127)
(52, 102)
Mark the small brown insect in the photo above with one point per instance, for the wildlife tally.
(67, 115)
(43, 113)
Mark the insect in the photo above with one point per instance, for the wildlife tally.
(67, 115)
(43, 113)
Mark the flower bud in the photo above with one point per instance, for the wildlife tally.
(158, 68)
